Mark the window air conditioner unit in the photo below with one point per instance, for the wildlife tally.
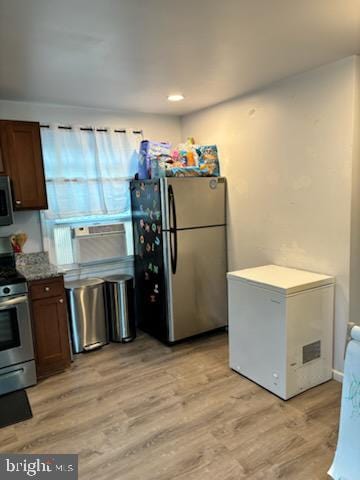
(96, 243)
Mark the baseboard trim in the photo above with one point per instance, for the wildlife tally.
(338, 376)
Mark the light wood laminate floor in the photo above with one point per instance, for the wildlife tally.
(144, 411)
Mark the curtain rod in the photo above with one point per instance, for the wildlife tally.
(90, 129)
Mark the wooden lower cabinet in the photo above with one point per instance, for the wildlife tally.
(50, 326)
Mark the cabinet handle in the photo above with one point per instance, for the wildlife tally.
(61, 300)
(47, 289)
(18, 202)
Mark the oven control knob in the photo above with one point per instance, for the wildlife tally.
(6, 290)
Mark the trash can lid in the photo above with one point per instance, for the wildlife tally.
(118, 278)
(86, 282)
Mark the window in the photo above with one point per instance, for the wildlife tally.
(87, 174)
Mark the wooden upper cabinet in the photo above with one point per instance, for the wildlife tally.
(22, 161)
(3, 147)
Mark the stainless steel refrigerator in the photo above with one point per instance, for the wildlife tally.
(179, 229)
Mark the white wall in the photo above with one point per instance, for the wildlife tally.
(355, 213)
(28, 222)
(163, 127)
(287, 154)
(156, 127)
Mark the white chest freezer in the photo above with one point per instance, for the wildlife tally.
(281, 327)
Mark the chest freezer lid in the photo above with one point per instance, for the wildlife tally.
(281, 279)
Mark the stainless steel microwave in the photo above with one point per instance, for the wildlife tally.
(6, 208)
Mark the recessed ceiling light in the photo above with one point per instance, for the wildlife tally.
(176, 97)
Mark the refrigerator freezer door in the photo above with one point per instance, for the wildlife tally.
(148, 256)
(196, 293)
(199, 201)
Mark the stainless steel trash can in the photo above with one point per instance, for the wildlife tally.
(120, 307)
(86, 302)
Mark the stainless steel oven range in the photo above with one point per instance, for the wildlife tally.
(17, 365)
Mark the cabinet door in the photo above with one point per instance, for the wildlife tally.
(51, 337)
(3, 146)
(24, 164)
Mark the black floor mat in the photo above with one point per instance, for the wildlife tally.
(14, 408)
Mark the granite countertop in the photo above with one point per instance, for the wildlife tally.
(36, 266)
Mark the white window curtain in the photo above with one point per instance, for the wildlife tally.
(87, 170)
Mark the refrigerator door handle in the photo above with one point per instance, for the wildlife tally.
(173, 230)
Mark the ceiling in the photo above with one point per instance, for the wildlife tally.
(130, 54)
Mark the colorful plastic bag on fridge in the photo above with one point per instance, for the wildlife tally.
(208, 160)
(150, 150)
(183, 172)
(159, 166)
(188, 154)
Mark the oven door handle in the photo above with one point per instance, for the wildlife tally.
(4, 304)
(18, 371)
